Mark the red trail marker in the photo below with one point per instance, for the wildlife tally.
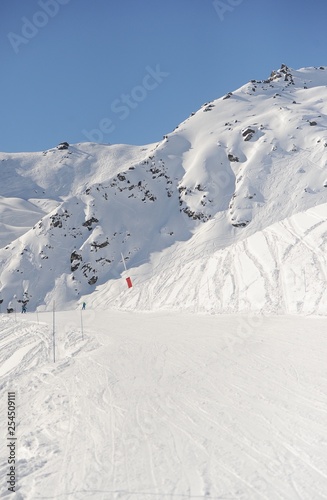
(128, 280)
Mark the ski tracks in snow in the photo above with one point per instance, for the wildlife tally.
(161, 407)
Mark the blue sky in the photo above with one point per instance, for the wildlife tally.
(129, 71)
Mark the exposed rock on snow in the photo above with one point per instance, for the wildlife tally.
(63, 145)
(231, 157)
(235, 170)
(248, 133)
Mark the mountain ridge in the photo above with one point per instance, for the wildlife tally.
(242, 163)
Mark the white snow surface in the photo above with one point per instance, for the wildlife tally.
(226, 214)
(208, 378)
(165, 405)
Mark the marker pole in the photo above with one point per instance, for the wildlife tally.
(54, 332)
(82, 328)
(124, 262)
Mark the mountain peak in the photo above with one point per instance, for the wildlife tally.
(236, 167)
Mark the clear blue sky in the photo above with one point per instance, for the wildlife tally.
(79, 70)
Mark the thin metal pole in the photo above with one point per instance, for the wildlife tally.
(123, 262)
(53, 332)
(82, 329)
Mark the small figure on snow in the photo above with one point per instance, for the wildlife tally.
(24, 308)
(83, 306)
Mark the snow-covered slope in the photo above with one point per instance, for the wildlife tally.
(282, 268)
(226, 213)
(165, 406)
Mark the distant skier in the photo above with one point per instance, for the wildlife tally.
(24, 308)
(83, 306)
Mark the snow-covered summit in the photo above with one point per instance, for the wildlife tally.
(239, 169)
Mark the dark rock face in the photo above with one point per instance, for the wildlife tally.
(63, 145)
(248, 133)
(231, 157)
(209, 107)
(93, 280)
(240, 224)
(88, 223)
(75, 260)
(247, 130)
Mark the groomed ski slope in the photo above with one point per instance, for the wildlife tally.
(166, 406)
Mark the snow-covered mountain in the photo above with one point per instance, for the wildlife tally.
(227, 213)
